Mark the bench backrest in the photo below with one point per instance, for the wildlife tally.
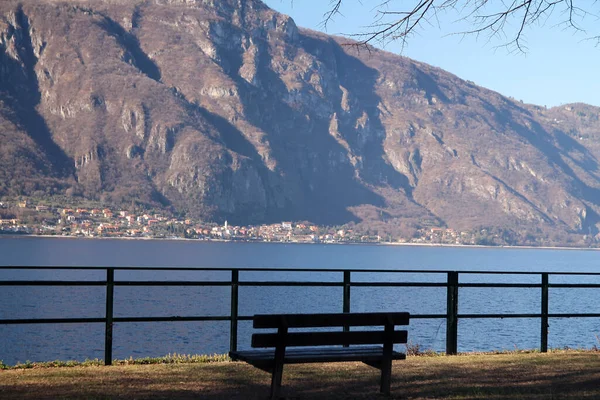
(282, 322)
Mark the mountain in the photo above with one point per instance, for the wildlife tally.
(225, 109)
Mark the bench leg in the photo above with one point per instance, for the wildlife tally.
(386, 376)
(386, 361)
(276, 380)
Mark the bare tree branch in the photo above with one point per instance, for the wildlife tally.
(397, 20)
(332, 12)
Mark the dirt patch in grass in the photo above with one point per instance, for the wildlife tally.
(502, 376)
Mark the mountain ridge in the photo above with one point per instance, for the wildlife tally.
(228, 110)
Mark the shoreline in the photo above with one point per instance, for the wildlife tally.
(197, 358)
(458, 246)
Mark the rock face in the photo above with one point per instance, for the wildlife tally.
(227, 110)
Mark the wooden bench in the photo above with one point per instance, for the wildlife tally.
(377, 356)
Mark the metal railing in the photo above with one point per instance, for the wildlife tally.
(452, 285)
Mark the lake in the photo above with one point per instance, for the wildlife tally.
(38, 342)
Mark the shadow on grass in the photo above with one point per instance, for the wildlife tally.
(525, 378)
(536, 377)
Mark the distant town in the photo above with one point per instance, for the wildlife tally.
(25, 218)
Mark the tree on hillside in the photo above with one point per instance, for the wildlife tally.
(504, 20)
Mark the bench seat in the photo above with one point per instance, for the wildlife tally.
(265, 359)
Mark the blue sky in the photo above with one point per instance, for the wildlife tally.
(559, 67)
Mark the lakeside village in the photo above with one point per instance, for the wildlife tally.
(24, 218)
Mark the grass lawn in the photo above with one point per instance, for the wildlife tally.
(563, 374)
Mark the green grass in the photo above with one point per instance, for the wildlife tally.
(513, 375)
(96, 362)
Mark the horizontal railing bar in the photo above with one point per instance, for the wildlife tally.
(582, 315)
(275, 269)
(574, 285)
(118, 319)
(291, 283)
(170, 319)
(117, 283)
(295, 283)
(412, 316)
(220, 283)
(399, 284)
(223, 269)
(152, 319)
(250, 317)
(566, 315)
(50, 321)
(52, 283)
(61, 268)
(115, 319)
(500, 285)
(172, 283)
(477, 316)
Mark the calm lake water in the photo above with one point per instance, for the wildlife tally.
(80, 341)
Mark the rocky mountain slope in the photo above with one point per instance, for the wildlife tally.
(225, 109)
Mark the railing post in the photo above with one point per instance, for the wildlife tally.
(346, 303)
(108, 329)
(452, 314)
(233, 329)
(544, 322)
